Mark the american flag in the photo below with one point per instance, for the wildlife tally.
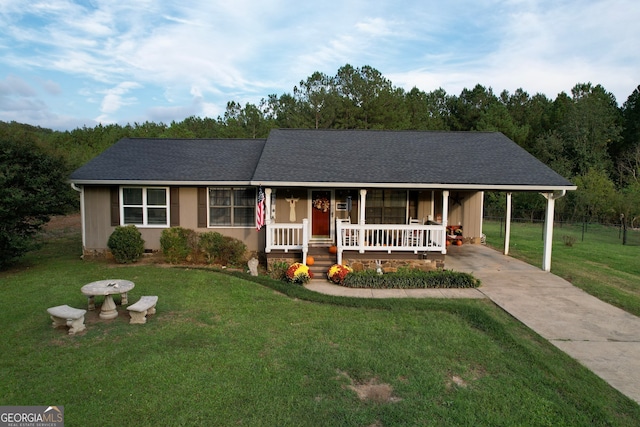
(260, 210)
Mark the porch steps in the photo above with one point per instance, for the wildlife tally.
(323, 260)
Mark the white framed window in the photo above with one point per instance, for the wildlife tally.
(232, 207)
(144, 206)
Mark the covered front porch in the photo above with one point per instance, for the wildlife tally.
(353, 238)
(351, 235)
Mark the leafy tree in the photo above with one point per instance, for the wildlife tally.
(530, 114)
(178, 130)
(427, 111)
(197, 127)
(631, 116)
(286, 111)
(470, 106)
(496, 118)
(596, 197)
(629, 204)
(590, 127)
(319, 100)
(629, 166)
(369, 100)
(549, 149)
(244, 122)
(627, 153)
(32, 187)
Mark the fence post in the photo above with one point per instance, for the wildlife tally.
(624, 229)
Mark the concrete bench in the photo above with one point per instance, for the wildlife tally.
(63, 315)
(138, 311)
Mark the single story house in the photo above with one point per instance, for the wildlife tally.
(372, 194)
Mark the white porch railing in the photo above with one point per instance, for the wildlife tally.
(362, 238)
(288, 237)
(390, 238)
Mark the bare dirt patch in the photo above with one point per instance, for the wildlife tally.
(457, 381)
(371, 390)
(63, 223)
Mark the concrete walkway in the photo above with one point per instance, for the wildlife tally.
(600, 336)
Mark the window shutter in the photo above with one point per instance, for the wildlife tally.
(115, 206)
(174, 209)
(202, 207)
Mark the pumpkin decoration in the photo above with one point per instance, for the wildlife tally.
(310, 260)
(448, 242)
(458, 242)
(333, 249)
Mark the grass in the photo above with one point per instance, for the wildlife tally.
(230, 349)
(598, 263)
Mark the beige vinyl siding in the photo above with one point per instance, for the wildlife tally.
(98, 226)
(472, 217)
(283, 207)
(97, 217)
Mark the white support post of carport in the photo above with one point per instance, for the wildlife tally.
(507, 229)
(548, 228)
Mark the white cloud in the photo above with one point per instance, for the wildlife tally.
(51, 87)
(191, 58)
(114, 98)
(15, 86)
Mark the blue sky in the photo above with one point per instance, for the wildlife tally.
(67, 64)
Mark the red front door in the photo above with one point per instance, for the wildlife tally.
(320, 213)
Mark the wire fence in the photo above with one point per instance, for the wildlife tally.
(581, 231)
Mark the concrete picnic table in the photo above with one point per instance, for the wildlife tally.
(107, 288)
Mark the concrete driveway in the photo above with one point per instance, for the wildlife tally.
(600, 336)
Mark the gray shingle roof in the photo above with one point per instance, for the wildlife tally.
(397, 157)
(174, 160)
(324, 157)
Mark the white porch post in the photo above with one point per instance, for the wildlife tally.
(361, 209)
(445, 216)
(361, 219)
(305, 240)
(507, 231)
(267, 205)
(548, 228)
(432, 212)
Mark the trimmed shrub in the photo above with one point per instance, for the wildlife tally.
(221, 249)
(410, 279)
(126, 244)
(233, 252)
(278, 270)
(569, 240)
(179, 244)
(211, 244)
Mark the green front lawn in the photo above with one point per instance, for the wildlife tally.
(226, 349)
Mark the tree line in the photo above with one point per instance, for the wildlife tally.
(583, 135)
